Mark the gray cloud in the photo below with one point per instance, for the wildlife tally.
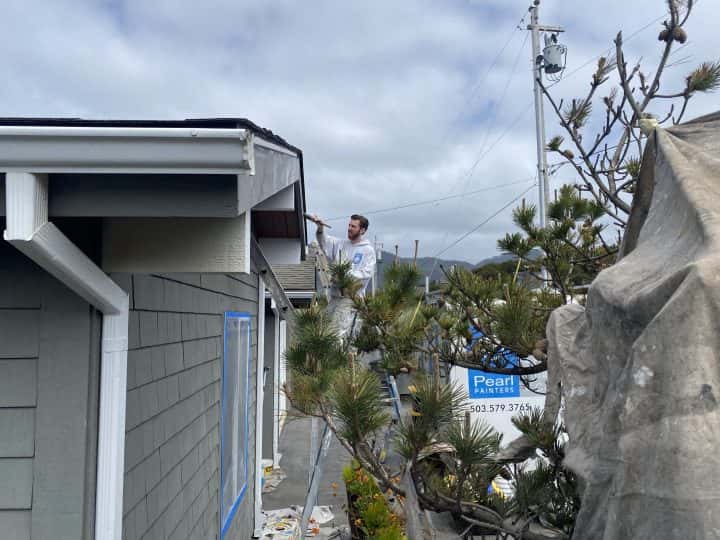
(391, 102)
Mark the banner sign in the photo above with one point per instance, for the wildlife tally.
(482, 385)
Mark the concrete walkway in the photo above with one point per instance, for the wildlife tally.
(295, 463)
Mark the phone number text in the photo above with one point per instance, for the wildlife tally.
(501, 407)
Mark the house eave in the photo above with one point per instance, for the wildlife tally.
(149, 150)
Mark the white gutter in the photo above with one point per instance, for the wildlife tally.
(274, 147)
(76, 149)
(121, 132)
(29, 230)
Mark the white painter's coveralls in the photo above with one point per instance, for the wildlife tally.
(361, 255)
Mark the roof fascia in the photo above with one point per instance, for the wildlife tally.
(82, 149)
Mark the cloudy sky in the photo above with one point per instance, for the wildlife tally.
(392, 102)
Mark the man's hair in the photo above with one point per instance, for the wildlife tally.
(364, 223)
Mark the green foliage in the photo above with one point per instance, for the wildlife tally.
(473, 467)
(510, 316)
(435, 408)
(605, 66)
(572, 244)
(342, 278)
(374, 516)
(704, 78)
(555, 143)
(316, 346)
(474, 443)
(484, 316)
(313, 357)
(393, 319)
(400, 284)
(577, 113)
(600, 166)
(355, 400)
(493, 270)
(550, 491)
(454, 458)
(632, 166)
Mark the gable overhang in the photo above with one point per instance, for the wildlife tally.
(208, 168)
(37, 156)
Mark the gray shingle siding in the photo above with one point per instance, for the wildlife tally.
(49, 361)
(172, 447)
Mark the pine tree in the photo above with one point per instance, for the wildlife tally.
(492, 322)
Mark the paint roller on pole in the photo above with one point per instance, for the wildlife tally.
(316, 220)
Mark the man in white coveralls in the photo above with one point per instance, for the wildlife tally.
(354, 248)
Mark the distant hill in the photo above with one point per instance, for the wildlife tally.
(428, 264)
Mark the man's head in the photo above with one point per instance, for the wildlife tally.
(356, 227)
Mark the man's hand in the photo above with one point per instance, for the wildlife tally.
(317, 220)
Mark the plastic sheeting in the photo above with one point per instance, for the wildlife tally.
(344, 316)
(639, 366)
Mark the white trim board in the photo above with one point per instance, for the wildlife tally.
(124, 150)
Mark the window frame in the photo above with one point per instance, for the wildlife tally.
(226, 523)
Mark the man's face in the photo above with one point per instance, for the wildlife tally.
(354, 230)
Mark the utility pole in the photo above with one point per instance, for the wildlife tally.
(538, 64)
(376, 270)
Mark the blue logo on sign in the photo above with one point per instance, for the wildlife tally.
(492, 385)
(357, 258)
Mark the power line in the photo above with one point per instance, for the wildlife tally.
(516, 120)
(472, 96)
(483, 146)
(433, 201)
(518, 56)
(476, 87)
(485, 221)
(483, 152)
(518, 26)
(502, 135)
(608, 51)
(519, 117)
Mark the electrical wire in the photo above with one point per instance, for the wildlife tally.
(607, 51)
(465, 178)
(484, 222)
(485, 152)
(567, 76)
(477, 85)
(434, 201)
(482, 153)
(570, 74)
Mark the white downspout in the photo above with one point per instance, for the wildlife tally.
(276, 386)
(258, 521)
(29, 230)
